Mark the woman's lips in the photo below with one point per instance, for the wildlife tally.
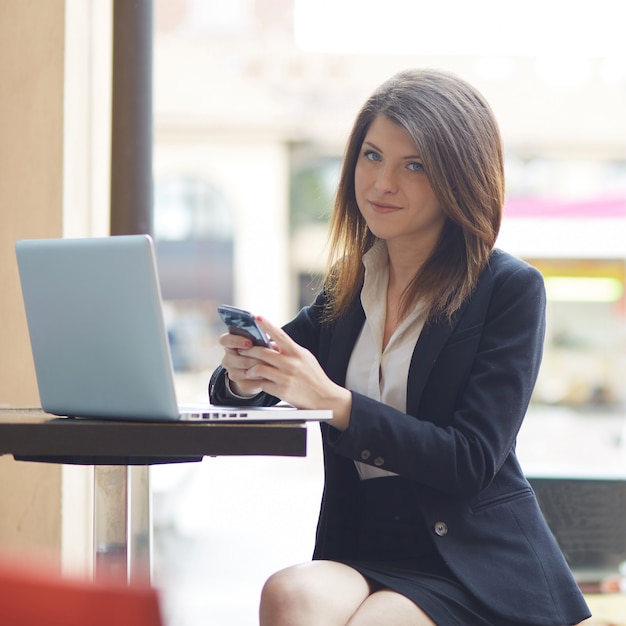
(384, 207)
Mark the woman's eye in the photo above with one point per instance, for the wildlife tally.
(416, 167)
(371, 155)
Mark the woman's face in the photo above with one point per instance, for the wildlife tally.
(392, 189)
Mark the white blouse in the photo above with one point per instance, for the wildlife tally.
(381, 375)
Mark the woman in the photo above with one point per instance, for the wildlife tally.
(426, 343)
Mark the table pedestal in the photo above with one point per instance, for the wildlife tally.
(122, 523)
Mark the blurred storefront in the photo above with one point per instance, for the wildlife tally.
(578, 245)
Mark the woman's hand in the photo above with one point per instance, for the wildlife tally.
(285, 370)
(237, 362)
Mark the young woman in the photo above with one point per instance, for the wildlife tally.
(426, 343)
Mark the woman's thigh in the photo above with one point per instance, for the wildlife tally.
(389, 607)
(321, 593)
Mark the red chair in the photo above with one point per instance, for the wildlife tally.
(38, 598)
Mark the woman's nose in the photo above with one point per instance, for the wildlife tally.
(386, 180)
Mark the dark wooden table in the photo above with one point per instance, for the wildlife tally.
(121, 453)
(28, 434)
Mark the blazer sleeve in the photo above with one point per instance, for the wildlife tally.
(220, 395)
(475, 395)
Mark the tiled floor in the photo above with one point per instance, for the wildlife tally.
(223, 525)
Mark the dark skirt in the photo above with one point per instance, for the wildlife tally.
(432, 588)
(396, 551)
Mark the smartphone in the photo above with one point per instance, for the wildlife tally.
(240, 322)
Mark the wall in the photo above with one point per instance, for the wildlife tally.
(31, 203)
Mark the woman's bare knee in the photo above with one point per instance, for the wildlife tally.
(321, 592)
(285, 595)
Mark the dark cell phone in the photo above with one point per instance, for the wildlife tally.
(242, 323)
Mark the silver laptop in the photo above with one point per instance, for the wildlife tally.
(98, 335)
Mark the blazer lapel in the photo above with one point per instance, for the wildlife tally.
(435, 334)
(344, 336)
(432, 339)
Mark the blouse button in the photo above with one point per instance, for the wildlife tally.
(379, 461)
(441, 529)
(365, 454)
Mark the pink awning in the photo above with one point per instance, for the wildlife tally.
(611, 207)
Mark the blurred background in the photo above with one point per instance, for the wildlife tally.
(253, 101)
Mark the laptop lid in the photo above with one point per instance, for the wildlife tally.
(96, 327)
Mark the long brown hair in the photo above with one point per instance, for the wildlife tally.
(457, 137)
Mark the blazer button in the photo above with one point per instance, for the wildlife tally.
(441, 529)
(365, 454)
(379, 461)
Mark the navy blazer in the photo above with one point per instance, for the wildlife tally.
(469, 386)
